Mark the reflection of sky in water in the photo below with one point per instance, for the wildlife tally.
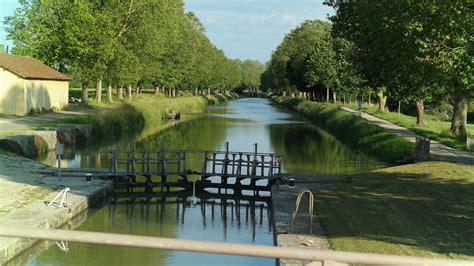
(255, 109)
(259, 113)
(210, 222)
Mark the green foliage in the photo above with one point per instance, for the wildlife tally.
(285, 71)
(420, 209)
(152, 43)
(414, 52)
(40, 110)
(251, 70)
(362, 134)
(422, 49)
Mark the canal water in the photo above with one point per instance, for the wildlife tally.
(305, 148)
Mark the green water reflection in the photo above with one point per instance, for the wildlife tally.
(305, 149)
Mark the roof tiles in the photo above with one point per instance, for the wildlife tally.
(30, 68)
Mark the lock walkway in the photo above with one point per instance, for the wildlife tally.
(26, 186)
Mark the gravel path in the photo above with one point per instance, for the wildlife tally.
(438, 151)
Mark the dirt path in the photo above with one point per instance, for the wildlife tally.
(438, 151)
(13, 124)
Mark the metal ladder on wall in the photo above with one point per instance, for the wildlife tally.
(297, 206)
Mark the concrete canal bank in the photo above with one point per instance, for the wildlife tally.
(304, 234)
(25, 190)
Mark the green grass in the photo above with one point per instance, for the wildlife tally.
(434, 128)
(350, 129)
(424, 209)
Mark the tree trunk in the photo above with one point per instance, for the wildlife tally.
(109, 93)
(157, 89)
(459, 119)
(327, 95)
(399, 108)
(129, 92)
(137, 91)
(120, 92)
(85, 96)
(382, 101)
(334, 97)
(344, 98)
(370, 102)
(98, 91)
(420, 112)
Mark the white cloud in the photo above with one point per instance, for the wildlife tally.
(253, 28)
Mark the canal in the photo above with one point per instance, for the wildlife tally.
(305, 148)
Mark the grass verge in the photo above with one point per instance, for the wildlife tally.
(352, 130)
(423, 209)
(434, 128)
(143, 114)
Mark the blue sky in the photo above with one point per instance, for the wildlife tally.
(241, 28)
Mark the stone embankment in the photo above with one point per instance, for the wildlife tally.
(31, 143)
(304, 234)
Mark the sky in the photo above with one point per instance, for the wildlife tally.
(245, 29)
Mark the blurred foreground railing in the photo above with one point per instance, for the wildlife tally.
(317, 257)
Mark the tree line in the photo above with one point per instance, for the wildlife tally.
(409, 52)
(124, 44)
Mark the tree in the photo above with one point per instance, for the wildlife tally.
(445, 36)
(251, 70)
(391, 63)
(286, 68)
(140, 43)
(321, 67)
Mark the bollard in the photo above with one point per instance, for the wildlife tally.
(88, 177)
(291, 182)
(59, 150)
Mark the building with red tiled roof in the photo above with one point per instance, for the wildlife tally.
(26, 84)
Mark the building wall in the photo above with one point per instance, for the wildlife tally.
(12, 93)
(45, 94)
(18, 96)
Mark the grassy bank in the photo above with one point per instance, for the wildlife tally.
(434, 127)
(423, 209)
(144, 113)
(350, 129)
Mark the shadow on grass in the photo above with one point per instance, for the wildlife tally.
(422, 212)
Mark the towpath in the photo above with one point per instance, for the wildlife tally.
(438, 151)
(13, 123)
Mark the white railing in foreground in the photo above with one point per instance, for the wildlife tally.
(222, 248)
